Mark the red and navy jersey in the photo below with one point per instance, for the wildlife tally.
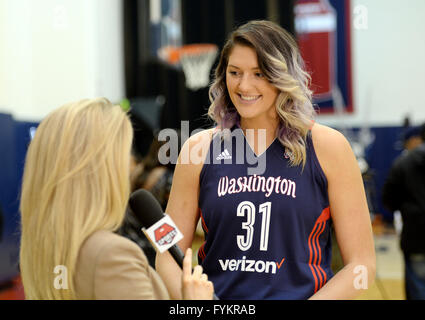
(267, 234)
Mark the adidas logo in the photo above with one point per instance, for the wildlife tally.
(224, 155)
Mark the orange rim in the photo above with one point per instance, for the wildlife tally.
(174, 53)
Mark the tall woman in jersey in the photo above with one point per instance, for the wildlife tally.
(267, 235)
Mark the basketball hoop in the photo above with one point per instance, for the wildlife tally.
(196, 61)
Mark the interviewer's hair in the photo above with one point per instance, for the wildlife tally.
(280, 61)
(76, 181)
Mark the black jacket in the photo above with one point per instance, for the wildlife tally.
(404, 190)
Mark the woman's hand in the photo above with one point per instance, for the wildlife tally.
(195, 286)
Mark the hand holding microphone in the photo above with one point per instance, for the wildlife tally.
(164, 235)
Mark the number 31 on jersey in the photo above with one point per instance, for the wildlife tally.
(247, 209)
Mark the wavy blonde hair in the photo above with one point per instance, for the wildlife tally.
(280, 61)
(76, 181)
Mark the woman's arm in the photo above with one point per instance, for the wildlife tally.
(183, 206)
(350, 215)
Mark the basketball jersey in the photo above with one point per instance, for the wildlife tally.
(267, 234)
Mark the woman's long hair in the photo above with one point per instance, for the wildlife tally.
(76, 181)
(280, 61)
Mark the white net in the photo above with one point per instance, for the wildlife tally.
(197, 67)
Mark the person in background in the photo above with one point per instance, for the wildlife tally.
(404, 191)
(147, 173)
(74, 194)
(412, 138)
(150, 174)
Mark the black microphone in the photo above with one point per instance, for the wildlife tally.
(148, 211)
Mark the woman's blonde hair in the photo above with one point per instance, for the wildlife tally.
(280, 61)
(76, 181)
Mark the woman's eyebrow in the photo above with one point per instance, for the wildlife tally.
(233, 66)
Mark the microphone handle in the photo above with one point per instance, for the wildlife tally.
(178, 257)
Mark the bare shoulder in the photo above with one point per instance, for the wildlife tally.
(202, 136)
(191, 160)
(196, 147)
(332, 148)
(327, 138)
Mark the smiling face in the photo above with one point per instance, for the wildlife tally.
(251, 93)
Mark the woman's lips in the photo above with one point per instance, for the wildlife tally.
(248, 99)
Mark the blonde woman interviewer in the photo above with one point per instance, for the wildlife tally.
(74, 194)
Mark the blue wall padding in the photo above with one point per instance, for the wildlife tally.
(14, 139)
(380, 155)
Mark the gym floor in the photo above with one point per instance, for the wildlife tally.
(389, 281)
